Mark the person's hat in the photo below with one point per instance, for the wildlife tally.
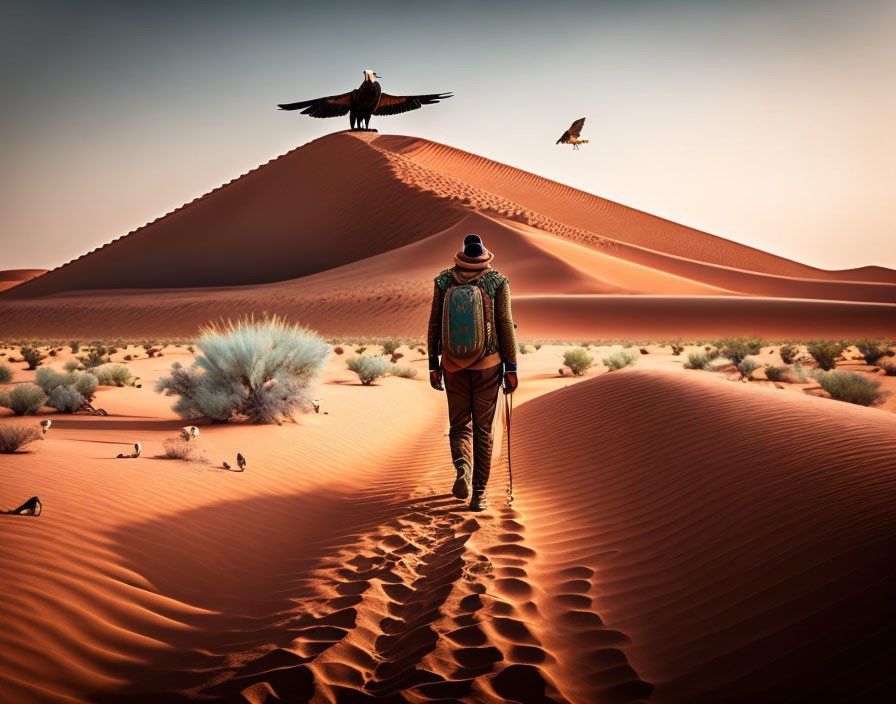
(473, 246)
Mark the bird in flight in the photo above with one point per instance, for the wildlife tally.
(571, 136)
(363, 102)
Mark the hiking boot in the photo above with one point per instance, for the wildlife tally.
(478, 502)
(463, 483)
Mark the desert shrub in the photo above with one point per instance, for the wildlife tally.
(537, 346)
(338, 350)
(677, 349)
(48, 379)
(390, 345)
(369, 369)
(738, 348)
(180, 449)
(889, 368)
(747, 366)
(14, 437)
(404, 371)
(872, 350)
(191, 349)
(825, 352)
(5, 373)
(578, 360)
(23, 399)
(83, 382)
(262, 370)
(421, 351)
(32, 356)
(52, 353)
(698, 360)
(774, 373)
(620, 359)
(71, 366)
(788, 353)
(113, 374)
(851, 387)
(65, 399)
(75, 345)
(360, 350)
(95, 357)
(395, 357)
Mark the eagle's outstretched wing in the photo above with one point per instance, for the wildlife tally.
(331, 106)
(394, 104)
(575, 130)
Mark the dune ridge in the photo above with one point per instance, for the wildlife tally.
(739, 536)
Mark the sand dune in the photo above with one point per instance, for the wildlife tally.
(349, 230)
(14, 277)
(676, 537)
(561, 290)
(736, 542)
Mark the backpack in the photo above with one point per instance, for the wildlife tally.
(468, 317)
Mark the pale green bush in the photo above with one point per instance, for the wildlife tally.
(739, 348)
(404, 371)
(775, 373)
(23, 399)
(578, 360)
(620, 359)
(698, 360)
(65, 399)
(851, 387)
(872, 350)
(5, 373)
(825, 352)
(369, 369)
(48, 379)
(747, 366)
(260, 370)
(113, 374)
(390, 345)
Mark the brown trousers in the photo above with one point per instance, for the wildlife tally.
(472, 401)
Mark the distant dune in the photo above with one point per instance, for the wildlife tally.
(739, 540)
(346, 233)
(14, 277)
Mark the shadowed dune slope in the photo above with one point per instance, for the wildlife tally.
(741, 537)
(319, 206)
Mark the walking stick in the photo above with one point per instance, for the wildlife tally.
(508, 410)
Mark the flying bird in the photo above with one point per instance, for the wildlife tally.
(240, 461)
(571, 136)
(363, 102)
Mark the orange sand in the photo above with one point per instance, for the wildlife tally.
(676, 537)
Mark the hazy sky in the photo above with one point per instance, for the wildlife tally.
(769, 123)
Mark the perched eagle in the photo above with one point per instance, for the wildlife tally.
(571, 136)
(363, 102)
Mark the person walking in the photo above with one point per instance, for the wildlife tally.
(472, 347)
